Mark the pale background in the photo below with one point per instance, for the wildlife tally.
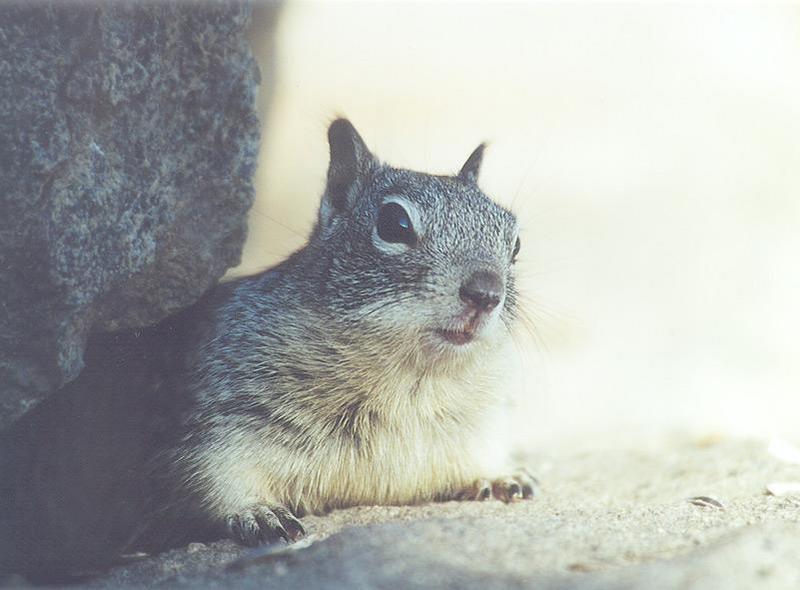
(652, 154)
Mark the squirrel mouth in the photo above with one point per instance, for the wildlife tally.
(457, 337)
(463, 334)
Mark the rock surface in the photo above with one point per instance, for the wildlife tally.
(604, 520)
(130, 139)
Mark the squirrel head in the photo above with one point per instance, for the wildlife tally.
(425, 262)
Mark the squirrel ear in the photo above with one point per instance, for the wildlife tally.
(350, 159)
(472, 167)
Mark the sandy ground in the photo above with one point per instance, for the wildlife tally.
(603, 519)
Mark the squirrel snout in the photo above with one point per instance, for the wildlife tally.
(483, 290)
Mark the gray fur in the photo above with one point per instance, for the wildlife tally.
(336, 348)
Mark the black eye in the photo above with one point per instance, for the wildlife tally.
(394, 225)
(516, 251)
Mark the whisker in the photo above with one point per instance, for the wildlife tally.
(301, 235)
(383, 305)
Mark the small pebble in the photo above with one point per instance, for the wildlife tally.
(783, 488)
(581, 567)
(706, 502)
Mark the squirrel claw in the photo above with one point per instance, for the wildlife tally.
(261, 524)
(480, 490)
(519, 486)
(530, 485)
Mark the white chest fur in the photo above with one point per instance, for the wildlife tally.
(414, 440)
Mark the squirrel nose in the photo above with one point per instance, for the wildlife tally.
(482, 290)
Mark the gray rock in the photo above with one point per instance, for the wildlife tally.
(461, 553)
(129, 142)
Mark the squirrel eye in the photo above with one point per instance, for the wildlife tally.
(394, 225)
(516, 251)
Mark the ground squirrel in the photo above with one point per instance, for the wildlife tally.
(365, 369)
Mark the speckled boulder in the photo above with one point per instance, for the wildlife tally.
(129, 142)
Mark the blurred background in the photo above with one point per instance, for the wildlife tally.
(652, 153)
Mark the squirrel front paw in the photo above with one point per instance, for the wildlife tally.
(260, 524)
(521, 485)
